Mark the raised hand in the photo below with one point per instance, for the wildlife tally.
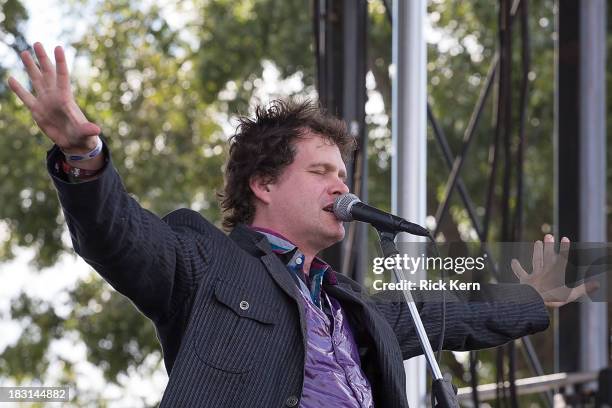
(53, 108)
(548, 275)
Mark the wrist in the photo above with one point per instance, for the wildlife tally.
(87, 152)
(93, 164)
(76, 174)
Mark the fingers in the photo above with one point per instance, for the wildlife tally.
(591, 286)
(518, 270)
(537, 260)
(44, 61)
(549, 249)
(565, 295)
(46, 73)
(577, 292)
(26, 97)
(63, 77)
(32, 70)
(564, 248)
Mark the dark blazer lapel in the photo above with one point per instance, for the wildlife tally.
(280, 274)
(256, 244)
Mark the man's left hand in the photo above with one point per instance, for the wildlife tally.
(548, 275)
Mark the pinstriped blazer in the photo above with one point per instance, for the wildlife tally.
(228, 314)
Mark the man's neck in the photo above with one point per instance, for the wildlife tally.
(307, 263)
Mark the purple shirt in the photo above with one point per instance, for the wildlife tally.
(332, 370)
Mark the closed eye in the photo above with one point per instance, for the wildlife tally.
(324, 169)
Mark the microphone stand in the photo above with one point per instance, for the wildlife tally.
(441, 388)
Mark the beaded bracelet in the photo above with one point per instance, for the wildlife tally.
(87, 156)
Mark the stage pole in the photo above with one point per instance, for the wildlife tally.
(409, 137)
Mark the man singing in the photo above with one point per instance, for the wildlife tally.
(255, 319)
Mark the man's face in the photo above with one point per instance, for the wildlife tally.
(302, 197)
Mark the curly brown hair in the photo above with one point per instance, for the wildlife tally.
(263, 146)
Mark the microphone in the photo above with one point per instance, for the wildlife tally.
(348, 207)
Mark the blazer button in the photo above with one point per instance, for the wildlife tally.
(244, 305)
(292, 401)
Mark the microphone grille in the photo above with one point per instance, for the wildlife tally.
(342, 206)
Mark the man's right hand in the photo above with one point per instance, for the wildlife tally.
(53, 108)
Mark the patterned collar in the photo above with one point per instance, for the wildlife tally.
(290, 254)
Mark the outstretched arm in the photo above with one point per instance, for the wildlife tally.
(497, 314)
(140, 255)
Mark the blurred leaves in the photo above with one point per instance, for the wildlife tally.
(115, 334)
(28, 357)
(12, 16)
(236, 36)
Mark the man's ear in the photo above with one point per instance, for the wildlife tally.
(261, 188)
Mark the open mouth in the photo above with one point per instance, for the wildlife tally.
(329, 208)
